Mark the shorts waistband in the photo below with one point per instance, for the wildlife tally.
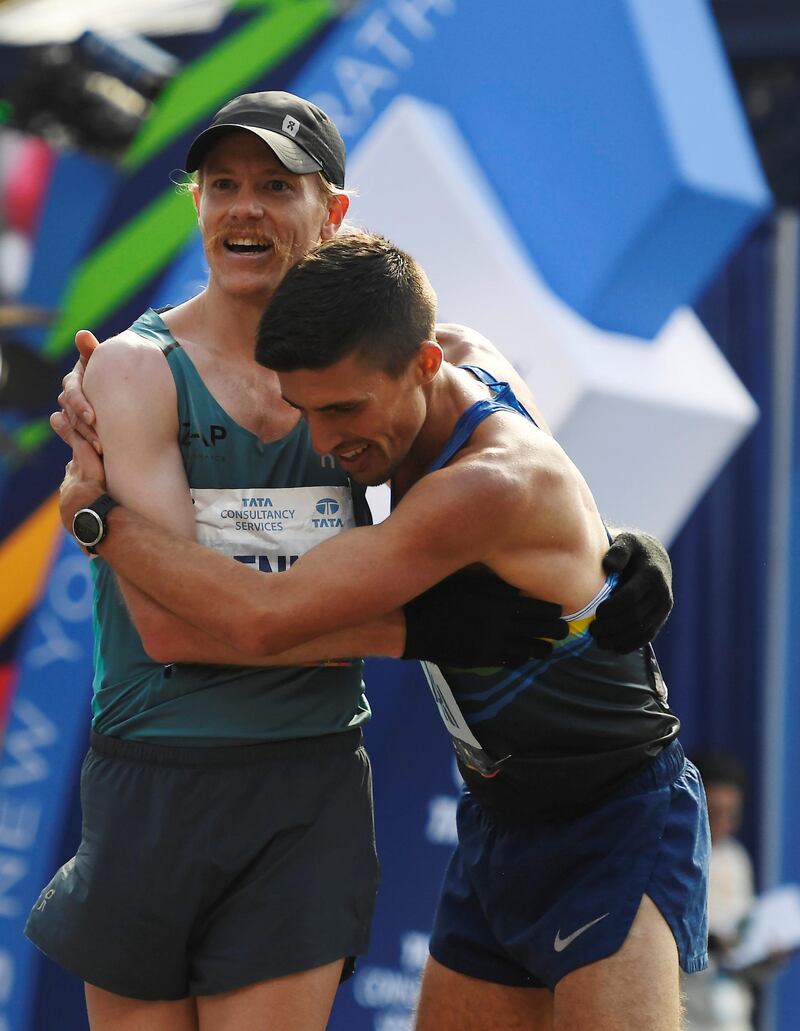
(225, 755)
(660, 771)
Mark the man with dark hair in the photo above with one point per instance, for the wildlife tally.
(578, 886)
(197, 895)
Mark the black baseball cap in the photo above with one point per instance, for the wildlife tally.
(302, 136)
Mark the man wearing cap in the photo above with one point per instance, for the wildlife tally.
(227, 870)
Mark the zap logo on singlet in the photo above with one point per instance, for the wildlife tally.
(208, 436)
(270, 530)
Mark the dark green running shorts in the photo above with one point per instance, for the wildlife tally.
(201, 870)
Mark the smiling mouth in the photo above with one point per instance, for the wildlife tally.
(352, 455)
(247, 245)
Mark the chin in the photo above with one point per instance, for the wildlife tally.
(369, 478)
(378, 477)
(256, 289)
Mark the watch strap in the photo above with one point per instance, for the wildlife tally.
(101, 506)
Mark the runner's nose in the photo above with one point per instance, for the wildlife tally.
(247, 204)
(324, 438)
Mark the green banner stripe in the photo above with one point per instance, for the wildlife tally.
(121, 264)
(33, 434)
(145, 244)
(226, 70)
(154, 236)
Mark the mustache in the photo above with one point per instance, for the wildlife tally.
(280, 248)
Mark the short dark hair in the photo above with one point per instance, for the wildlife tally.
(354, 294)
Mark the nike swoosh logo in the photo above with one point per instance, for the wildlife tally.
(561, 943)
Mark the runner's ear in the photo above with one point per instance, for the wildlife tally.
(429, 360)
(337, 209)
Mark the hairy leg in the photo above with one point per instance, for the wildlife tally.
(297, 1002)
(638, 987)
(109, 1012)
(454, 1002)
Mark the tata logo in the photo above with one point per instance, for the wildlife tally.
(327, 508)
(209, 437)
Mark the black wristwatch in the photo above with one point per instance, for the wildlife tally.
(89, 524)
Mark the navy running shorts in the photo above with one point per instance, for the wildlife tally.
(526, 902)
(201, 870)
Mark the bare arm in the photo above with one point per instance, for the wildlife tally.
(463, 346)
(144, 470)
(171, 639)
(131, 390)
(133, 403)
(642, 603)
(361, 575)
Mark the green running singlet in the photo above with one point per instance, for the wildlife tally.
(265, 505)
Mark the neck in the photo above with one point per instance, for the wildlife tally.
(218, 320)
(448, 396)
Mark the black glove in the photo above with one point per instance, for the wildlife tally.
(639, 607)
(470, 620)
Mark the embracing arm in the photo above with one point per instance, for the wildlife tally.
(641, 604)
(463, 621)
(130, 387)
(171, 639)
(360, 575)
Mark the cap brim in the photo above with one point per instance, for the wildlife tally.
(289, 153)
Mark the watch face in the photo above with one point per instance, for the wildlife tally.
(87, 527)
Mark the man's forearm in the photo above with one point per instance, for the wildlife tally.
(167, 638)
(245, 609)
(211, 595)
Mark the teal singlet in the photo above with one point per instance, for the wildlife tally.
(264, 505)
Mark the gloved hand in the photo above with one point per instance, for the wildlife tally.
(638, 608)
(471, 620)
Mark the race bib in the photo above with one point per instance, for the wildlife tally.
(467, 746)
(270, 528)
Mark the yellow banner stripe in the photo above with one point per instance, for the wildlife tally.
(25, 559)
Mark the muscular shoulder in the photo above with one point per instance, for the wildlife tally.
(130, 386)
(520, 475)
(128, 364)
(517, 454)
(127, 354)
(476, 495)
